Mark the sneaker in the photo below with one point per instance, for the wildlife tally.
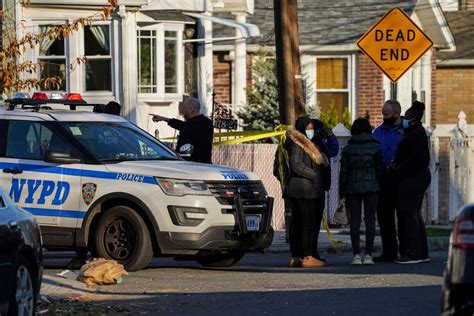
(406, 260)
(295, 263)
(357, 261)
(368, 259)
(312, 263)
(384, 258)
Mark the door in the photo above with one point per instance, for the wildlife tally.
(47, 190)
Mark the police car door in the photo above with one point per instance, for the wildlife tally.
(49, 191)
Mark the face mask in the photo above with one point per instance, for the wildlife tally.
(389, 121)
(405, 123)
(310, 133)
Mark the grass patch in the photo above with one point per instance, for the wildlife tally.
(438, 232)
(430, 232)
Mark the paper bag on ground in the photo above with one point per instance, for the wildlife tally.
(101, 271)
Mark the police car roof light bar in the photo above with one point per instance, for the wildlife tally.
(73, 100)
(40, 96)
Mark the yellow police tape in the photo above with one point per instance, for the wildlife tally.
(248, 136)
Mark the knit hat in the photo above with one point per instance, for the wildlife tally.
(415, 111)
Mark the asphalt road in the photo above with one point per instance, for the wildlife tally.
(259, 284)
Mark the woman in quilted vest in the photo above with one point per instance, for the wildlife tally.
(359, 182)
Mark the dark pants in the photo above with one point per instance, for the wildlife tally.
(412, 232)
(354, 205)
(306, 216)
(387, 204)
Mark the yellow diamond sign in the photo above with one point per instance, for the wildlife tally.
(395, 43)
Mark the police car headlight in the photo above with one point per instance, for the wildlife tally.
(183, 187)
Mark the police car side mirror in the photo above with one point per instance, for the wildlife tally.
(60, 157)
(186, 150)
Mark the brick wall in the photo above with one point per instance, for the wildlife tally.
(222, 77)
(370, 89)
(454, 94)
(470, 4)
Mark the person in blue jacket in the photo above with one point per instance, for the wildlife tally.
(325, 139)
(389, 134)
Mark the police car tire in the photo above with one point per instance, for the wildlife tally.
(221, 260)
(143, 251)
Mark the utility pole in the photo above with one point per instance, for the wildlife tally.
(295, 52)
(284, 63)
(290, 88)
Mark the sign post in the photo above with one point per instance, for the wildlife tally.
(394, 44)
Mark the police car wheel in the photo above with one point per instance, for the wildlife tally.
(122, 235)
(221, 260)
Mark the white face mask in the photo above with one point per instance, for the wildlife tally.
(310, 133)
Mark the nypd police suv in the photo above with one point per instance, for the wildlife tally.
(96, 181)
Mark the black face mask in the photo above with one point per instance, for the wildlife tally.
(389, 121)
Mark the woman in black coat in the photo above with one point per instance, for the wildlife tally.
(305, 189)
(411, 166)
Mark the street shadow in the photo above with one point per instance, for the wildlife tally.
(410, 300)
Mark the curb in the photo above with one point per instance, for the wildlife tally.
(434, 244)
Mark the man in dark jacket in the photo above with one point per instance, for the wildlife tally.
(411, 166)
(389, 134)
(196, 130)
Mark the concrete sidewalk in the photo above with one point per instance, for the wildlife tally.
(344, 242)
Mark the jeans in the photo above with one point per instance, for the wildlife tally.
(354, 205)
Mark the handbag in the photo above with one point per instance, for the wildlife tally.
(341, 216)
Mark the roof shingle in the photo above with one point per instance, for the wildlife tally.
(322, 22)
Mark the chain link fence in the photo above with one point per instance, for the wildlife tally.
(257, 158)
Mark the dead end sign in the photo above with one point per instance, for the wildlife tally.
(395, 43)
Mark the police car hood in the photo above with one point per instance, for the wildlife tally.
(177, 169)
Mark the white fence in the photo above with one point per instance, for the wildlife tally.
(452, 169)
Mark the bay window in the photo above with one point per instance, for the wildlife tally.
(55, 56)
(52, 59)
(98, 74)
(160, 61)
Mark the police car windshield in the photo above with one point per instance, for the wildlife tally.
(110, 142)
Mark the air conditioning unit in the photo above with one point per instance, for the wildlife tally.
(232, 6)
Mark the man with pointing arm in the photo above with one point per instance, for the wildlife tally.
(196, 130)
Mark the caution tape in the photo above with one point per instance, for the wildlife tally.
(249, 138)
(331, 237)
(242, 136)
